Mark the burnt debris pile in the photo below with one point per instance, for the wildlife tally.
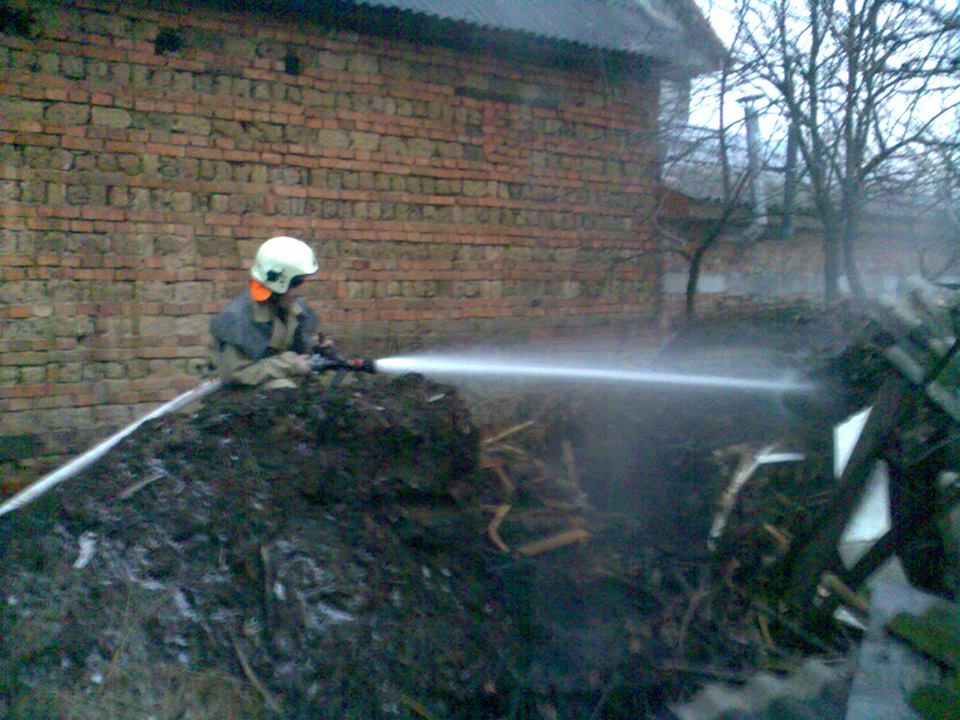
(362, 551)
(266, 536)
(378, 549)
(348, 552)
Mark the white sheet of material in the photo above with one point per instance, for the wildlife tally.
(845, 436)
(871, 520)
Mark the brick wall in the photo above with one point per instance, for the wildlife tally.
(448, 194)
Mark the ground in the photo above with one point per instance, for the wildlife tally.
(386, 548)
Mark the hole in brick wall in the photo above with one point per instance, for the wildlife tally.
(167, 40)
(292, 64)
(16, 21)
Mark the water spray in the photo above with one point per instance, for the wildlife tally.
(436, 365)
(471, 366)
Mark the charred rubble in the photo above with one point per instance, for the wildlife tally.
(379, 549)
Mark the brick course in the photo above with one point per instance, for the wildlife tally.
(136, 186)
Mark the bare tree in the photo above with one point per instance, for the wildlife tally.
(717, 168)
(938, 170)
(862, 82)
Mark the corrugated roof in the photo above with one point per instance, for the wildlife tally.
(672, 31)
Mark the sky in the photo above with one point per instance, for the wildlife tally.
(704, 111)
(720, 15)
(719, 18)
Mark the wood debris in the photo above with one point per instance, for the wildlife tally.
(553, 542)
(268, 697)
(499, 513)
(508, 432)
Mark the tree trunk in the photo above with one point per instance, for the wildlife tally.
(693, 279)
(849, 230)
(831, 265)
(850, 266)
(830, 223)
(789, 183)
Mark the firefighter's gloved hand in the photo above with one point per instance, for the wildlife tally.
(299, 364)
(367, 365)
(319, 363)
(325, 346)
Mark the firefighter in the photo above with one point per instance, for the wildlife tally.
(262, 337)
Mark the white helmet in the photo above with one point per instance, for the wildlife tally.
(279, 260)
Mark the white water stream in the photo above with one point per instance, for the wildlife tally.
(493, 367)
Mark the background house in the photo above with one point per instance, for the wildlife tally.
(464, 170)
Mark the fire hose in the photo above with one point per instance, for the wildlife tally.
(81, 462)
(319, 362)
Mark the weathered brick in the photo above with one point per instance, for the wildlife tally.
(227, 128)
(192, 125)
(111, 117)
(422, 147)
(67, 114)
(182, 201)
(73, 67)
(18, 110)
(364, 141)
(333, 139)
(219, 202)
(316, 98)
(474, 188)
(332, 60)
(362, 63)
(394, 145)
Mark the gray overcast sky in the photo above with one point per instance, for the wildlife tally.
(721, 17)
(715, 11)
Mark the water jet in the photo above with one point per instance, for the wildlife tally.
(492, 367)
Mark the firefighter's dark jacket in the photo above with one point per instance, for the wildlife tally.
(252, 345)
